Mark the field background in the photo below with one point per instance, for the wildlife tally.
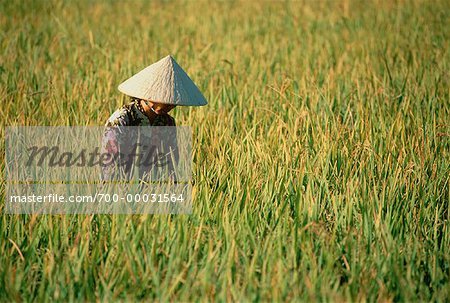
(321, 164)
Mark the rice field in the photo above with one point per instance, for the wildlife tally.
(321, 164)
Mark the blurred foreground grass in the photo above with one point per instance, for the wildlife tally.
(321, 163)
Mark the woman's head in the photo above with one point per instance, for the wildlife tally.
(159, 108)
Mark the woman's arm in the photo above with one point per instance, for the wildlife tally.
(113, 143)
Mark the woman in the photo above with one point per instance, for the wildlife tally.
(154, 92)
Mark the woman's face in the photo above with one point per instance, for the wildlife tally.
(161, 108)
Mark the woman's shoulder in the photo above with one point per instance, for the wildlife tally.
(124, 116)
(118, 118)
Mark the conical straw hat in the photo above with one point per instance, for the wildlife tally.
(164, 82)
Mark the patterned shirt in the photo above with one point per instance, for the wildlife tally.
(120, 141)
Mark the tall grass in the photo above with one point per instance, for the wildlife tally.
(321, 164)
